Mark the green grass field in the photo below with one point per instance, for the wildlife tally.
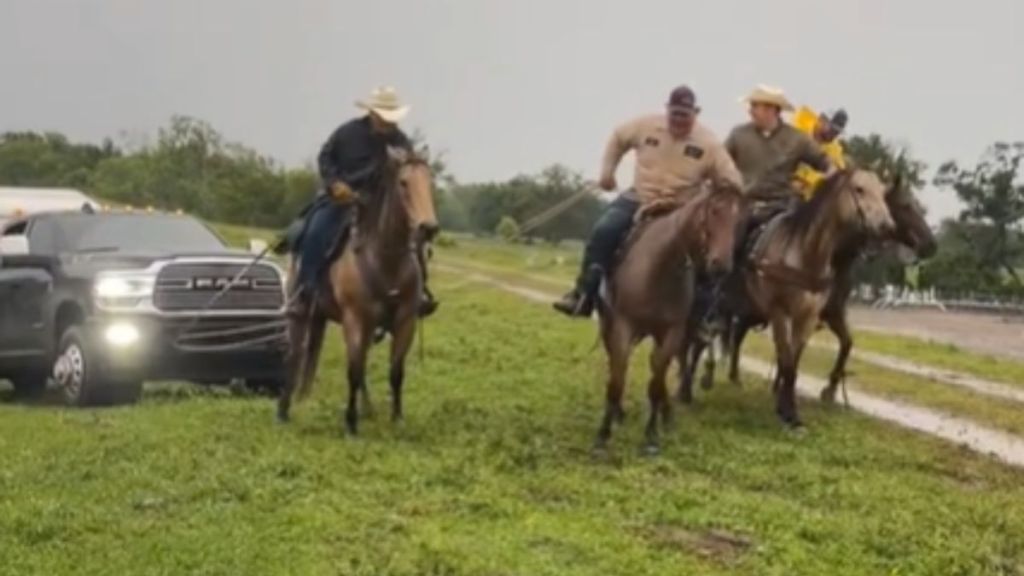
(491, 474)
(551, 269)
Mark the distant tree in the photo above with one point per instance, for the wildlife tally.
(994, 206)
(553, 205)
(508, 229)
(875, 153)
(49, 160)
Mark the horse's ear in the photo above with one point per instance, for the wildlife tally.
(397, 154)
(897, 183)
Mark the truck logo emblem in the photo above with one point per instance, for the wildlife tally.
(219, 283)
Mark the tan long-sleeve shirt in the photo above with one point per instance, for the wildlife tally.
(667, 167)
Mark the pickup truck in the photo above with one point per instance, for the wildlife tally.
(98, 302)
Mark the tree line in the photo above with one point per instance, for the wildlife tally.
(192, 167)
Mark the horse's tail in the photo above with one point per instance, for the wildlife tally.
(314, 343)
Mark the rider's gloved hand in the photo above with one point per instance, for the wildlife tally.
(342, 193)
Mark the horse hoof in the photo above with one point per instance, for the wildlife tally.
(686, 398)
(796, 429)
(828, 396)
(793, 424)
(620, 416)
(352, 424)
(600, 451)
(707, 382)
(283, 418)
(652, 449)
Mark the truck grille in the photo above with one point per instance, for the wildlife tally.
(229, 334)
(191, 287)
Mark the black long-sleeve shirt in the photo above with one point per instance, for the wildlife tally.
(353, 152)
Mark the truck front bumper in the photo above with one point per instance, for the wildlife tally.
(214, 349)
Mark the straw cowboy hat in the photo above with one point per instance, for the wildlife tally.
(769, 95)
(384, 102)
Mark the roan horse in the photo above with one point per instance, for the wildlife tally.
(650, 294)
(789, 277)
(374, 283)
(912, 231)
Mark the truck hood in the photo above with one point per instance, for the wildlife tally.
(89, 264)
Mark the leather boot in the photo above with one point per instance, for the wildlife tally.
(580, 301)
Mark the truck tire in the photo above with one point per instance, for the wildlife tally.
(80, 376)
(30, 384)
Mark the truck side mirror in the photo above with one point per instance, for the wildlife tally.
(14, 245)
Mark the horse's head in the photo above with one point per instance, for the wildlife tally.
(912, 229)
(719, 211)
(413, 184)
(861, 202)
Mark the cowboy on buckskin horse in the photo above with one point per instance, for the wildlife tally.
(768, 152)
(348, 163)
(675, 157)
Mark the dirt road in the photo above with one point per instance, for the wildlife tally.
(982, 333)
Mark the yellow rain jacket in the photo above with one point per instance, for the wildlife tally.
(807, 179)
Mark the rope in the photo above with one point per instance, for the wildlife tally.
(553, 212)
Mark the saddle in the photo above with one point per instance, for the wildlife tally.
(638, 228)
(755, 242)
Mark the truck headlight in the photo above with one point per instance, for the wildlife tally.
(120, 287)
(122, 290)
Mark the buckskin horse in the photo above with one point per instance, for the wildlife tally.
(912, 231)
(789, 276)
(375, 283)
(650, 292)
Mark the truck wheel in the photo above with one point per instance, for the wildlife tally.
(30, 384)
(80, 376)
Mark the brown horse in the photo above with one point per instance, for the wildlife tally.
(650, 294)
(374, 283)
(789, 276)
(912, 231)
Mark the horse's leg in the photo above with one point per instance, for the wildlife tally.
(707, 381)
(618, 343)
(357, 344)
(785, 399)
(665, 347)
(839, 326)
(739, 333)
(295, 364)
(401, 342)
(802, 329)
(689, 356)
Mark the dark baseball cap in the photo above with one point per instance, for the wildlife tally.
(683, 98)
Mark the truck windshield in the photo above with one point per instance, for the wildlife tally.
(135, 233)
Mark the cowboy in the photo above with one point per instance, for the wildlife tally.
(348, 161)
(675, 157)
(767, 152)
(825, 129)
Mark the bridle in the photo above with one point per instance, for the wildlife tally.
(704, 218)
(387, 199)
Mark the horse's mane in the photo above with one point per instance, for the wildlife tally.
(807, 213)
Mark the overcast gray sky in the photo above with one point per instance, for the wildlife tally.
(511, 86)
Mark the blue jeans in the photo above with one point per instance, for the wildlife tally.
(608, 234)
(324, 226)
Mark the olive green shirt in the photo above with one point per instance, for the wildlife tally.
(768, 160)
